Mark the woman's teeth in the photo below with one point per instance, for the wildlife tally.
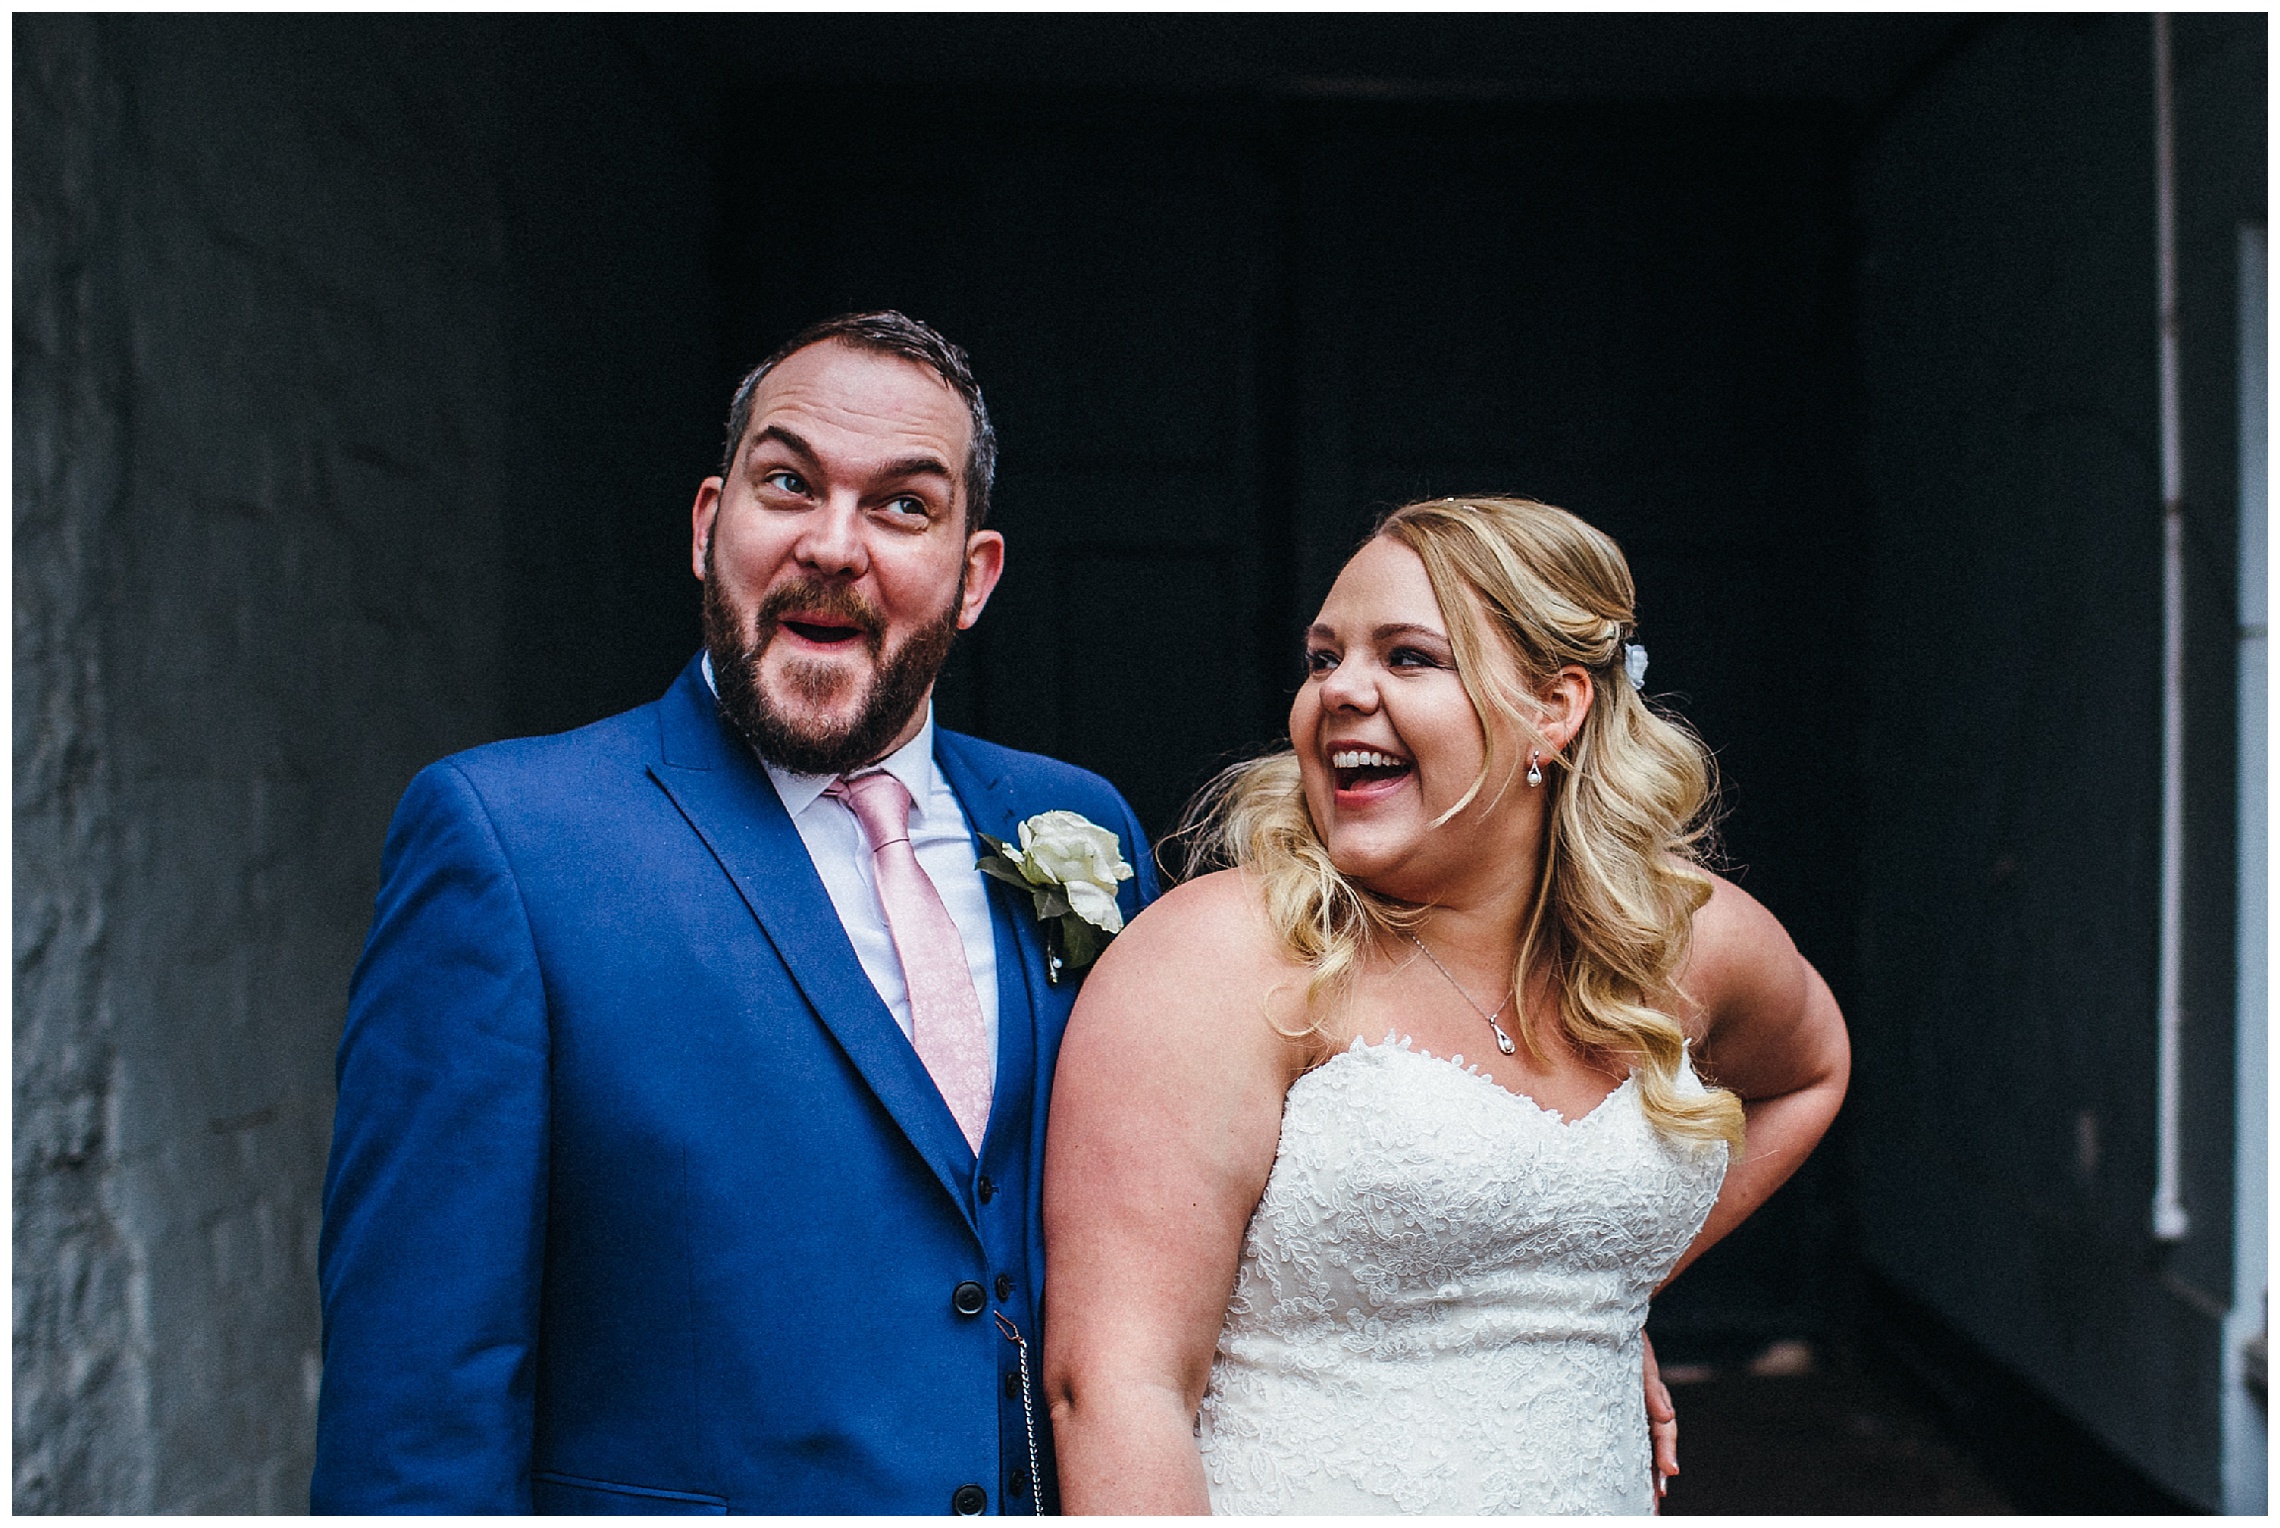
(1364, 758)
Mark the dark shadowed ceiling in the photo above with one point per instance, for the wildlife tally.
(1855, 61)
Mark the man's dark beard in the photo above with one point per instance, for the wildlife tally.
(897, 684)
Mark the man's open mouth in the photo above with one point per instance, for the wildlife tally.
(1361, 768)
(829, 631)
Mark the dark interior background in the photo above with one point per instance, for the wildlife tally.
(366, 368)
(1221, 329)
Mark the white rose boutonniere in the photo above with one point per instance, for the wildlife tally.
(1070, 867)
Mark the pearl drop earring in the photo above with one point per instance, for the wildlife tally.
(1535, 771)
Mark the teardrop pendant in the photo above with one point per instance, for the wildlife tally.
(1503, 1040)
(1535, 770)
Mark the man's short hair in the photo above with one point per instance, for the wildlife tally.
(888, 333)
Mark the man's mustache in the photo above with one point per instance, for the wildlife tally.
(814, 596)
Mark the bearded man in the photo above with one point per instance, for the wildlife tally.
(692, 1093)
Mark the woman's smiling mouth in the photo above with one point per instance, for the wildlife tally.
(1362, 773)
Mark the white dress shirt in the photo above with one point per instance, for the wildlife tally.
(944, 843)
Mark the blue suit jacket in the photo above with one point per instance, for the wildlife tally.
(639, 1200)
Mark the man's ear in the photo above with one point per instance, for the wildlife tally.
(701, 517)
(985, 564)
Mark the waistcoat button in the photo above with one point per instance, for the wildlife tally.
(967, 1300)
(968, 1501)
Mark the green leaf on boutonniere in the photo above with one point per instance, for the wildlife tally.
(1081, 943)
(1003, 864)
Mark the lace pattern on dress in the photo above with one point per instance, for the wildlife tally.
(1441, 1296)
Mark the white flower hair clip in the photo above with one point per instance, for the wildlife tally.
(1635, 664)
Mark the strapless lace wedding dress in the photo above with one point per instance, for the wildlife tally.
(1441, 1297)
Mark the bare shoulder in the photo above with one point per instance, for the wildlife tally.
(1196, 969)
(1733, 923)
(1768, 1021)
(1740, 958)
(1201, 934)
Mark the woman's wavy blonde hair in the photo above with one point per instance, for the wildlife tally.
(1632, 793)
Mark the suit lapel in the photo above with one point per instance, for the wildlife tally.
(729, 801)
(1024, 996)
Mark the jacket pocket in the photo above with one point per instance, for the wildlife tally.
(574, 1496)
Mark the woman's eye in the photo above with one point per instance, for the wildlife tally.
(1320, 660)
(1410, 657)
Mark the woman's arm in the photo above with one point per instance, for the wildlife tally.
(1772, 1033)
(1167, 1106)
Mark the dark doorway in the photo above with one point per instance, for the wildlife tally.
(1220, 336)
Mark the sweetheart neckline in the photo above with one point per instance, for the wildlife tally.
(1401, 1045)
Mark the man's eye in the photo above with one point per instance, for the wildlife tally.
(906, 505)
(784, 480)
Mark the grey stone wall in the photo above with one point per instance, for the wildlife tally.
(258, 448)
(81, 1376)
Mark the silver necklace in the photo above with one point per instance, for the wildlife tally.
(1503, 1040)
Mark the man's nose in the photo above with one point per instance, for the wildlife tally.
(831, 539)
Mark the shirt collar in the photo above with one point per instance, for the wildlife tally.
(912, 764)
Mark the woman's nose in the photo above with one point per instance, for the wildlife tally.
(1350, 687)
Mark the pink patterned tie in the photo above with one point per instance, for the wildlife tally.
(945, 1015)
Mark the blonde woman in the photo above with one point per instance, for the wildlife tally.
(1369, 1149)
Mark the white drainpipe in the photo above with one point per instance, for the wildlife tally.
(2244, 1425)
(2170, 1221)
